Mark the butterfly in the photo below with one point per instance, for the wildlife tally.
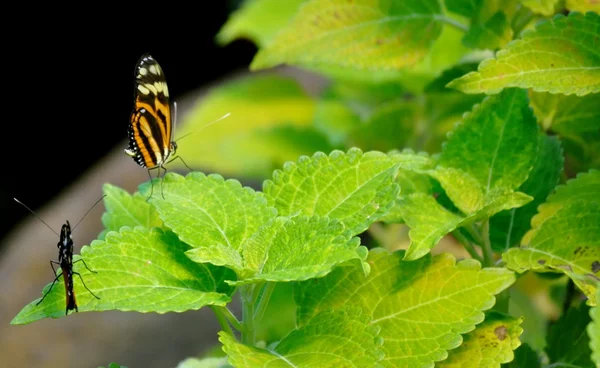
(65, 262)
(151, 121)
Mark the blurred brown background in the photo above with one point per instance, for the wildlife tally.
(67, 103)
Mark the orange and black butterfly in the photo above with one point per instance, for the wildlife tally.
(151, 122)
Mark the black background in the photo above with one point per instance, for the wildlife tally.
(68, 87)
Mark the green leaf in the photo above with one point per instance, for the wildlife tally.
(583, 6)
(490, 344)
(438, 85)
(525, 357)
(209, 362)
(258, 20)
(137, 270)
(212, 214)
(355, 187)
(565, 235)
(508, 227)
(341, 338)
(422, 307)
(494, 33)
(411, 179)
(593, 330)
(567, 60)
(298, 248)
(496, 143)
(388, 127)
(543, 7)
(242, 144)
(568, 342)
(485, 159)
(363, 35)
(428, 222)
(467, 8)
(123, 209)
(567, 115)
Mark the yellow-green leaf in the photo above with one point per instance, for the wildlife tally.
(489, 345)
(561, 55)
(362, 34)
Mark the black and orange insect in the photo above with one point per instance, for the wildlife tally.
(151, 122)
(65, 261)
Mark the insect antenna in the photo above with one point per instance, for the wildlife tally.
(204, 126)
(36, 215)
(91, 208)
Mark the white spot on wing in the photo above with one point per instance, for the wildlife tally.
(143, 89)
(143, 71)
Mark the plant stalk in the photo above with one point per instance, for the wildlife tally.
(248, 296)
(221, 317)
(467, 245)
(486, 247)
(264, 301)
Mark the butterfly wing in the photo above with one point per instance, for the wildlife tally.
(150, 124)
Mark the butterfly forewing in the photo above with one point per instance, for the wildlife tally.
(150, 124)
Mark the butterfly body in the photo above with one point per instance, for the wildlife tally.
(151, 121)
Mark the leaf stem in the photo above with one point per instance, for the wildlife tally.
(231, 318)
(454, 23)
(467, 245)
(248, 296)
(222, 318)
(486, 247)
(264, 301)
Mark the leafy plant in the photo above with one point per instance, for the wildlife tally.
(437, 203)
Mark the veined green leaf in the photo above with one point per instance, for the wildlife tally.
(422, 307)
(496, 142)
(525, 357)
(137, 270)
(438, 85)
(543, 7)
(211, 213)
(568, 342)
(355, 187)
(565, 235)
(123, 209)
(429, 221)
(363, 35)
(508, 227)
(489, 345)
(583, 6)
(298, 248)
(258, 20)
(593, 330)
(341, 338)
(567, 60)
(240, 144)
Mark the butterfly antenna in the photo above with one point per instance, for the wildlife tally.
(35, 214)
(205, 126)
(91, 208)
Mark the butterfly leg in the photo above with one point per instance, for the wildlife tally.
(151, 186)
(179, 157)
(81, 278)
(52, 263)
(161, 182)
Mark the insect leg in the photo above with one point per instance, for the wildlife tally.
(52, 263)
(86, 266)
(81, 278)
